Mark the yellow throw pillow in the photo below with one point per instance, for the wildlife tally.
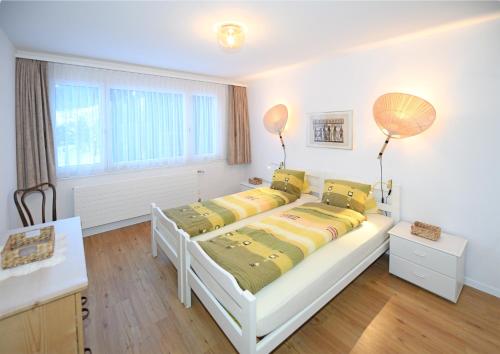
(289, 181)
(371, 205)
(306, 188)
(346, 194)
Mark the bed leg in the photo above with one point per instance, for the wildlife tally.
(154, 246)
(186, 265)
(249, 326)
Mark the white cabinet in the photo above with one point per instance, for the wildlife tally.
(41, 312)
(437, 266)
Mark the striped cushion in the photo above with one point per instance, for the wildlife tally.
(346, 194)
(289, 181)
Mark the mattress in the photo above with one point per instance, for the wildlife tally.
(292, 292)
(305, 198)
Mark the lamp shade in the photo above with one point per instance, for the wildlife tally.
(230, 36)
(400, 115)
(275, 119)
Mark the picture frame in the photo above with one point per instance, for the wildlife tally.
(330, 130)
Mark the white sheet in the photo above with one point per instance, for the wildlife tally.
(289, 294)
(304, 198)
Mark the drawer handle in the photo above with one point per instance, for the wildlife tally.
(419, 275)
(416, 253)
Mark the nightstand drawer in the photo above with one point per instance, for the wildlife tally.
(430, 258)
(433, 281)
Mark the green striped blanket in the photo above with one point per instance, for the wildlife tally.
(261, 252)
(202, 217)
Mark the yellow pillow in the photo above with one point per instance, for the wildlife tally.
(371, 205)
(306, 188)
(346, 194)
(289, 181)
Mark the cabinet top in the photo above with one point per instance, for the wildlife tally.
(23, 292)
(249, 185)
(451, 244)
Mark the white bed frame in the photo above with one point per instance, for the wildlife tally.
(171, 240)
(220, 293)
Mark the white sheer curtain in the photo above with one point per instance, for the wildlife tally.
(106, 120)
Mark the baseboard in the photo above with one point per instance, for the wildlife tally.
(115, 225)
(482, 287)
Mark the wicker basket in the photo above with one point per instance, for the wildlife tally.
(255, 180)
(427, 231)
(20, 249)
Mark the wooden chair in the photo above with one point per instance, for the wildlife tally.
(24, 212)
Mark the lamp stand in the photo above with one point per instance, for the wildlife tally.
(380, 154)
(283, 164)
(383, 147)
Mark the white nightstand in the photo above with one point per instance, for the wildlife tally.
(437, 266)
(244, 186)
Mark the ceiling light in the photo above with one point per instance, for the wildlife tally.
(230, 36)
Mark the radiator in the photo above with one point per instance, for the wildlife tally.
(106, 203)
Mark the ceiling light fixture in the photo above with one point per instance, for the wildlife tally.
(230, 35)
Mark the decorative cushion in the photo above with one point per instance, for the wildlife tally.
(346, 194)
(289, 181)
(371, 205)
(306, 188)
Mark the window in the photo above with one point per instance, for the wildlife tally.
(78, 130)
(205, 124)
(146, 126)
(106, 120)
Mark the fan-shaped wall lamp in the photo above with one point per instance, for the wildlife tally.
(275, 121)
(400, 115)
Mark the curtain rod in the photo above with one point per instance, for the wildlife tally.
(117, 66)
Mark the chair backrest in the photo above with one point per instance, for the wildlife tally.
(24, 212)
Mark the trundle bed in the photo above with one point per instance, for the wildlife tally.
(258, 323)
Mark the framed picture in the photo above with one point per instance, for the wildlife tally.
(330, 130)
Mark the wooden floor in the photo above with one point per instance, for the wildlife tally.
(134, 309)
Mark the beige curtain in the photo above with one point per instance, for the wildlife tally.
(34, 139)
(238, 149)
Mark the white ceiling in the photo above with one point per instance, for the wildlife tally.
(179, 35)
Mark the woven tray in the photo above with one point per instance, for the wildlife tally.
(255, 180)
(427, 231)
(21, 249)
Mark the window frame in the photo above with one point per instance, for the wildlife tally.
(68, 171)
(107, 165)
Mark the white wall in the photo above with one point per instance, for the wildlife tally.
(449, 174)
(7, 132)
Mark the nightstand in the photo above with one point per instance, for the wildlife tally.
(244, 186)
(437, 266)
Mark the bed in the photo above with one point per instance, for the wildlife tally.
(170, 239)
(258, 323)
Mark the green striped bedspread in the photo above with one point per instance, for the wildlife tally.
(261, 252)
(202, 217)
